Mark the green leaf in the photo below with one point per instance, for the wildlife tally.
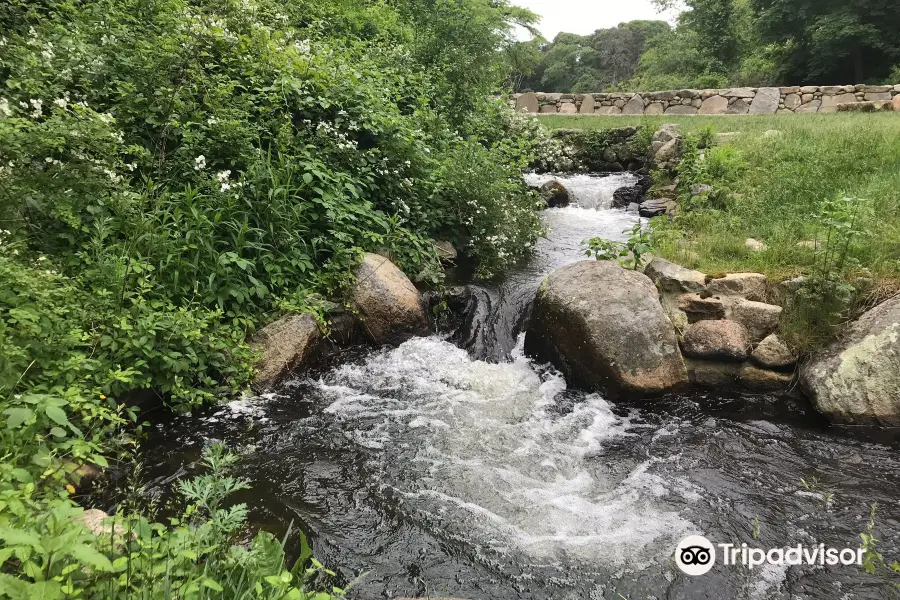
(212, 585)
(99, 460)
(18, 537)
(17, 416)
(58, 432)
(90, 557)
(13, 587)
(45, 590)
(57, 414)
(307, 177)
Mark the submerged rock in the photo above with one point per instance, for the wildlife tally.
(856, 379)
(389, 305)
(754, 379)
(603, 326)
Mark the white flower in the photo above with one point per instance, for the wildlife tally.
(4, 107)
(200, 162)
(223, 176)
(302, 46)
(226, 187)
(212, 121)
(38, 107)
(61, 102)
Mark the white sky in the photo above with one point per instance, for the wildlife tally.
(586, 16)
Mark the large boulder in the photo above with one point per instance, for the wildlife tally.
(286, 344)
(388, 303)
(604, 327)
(716, 340)
(714, 105)
(856, 379)
(666, 133)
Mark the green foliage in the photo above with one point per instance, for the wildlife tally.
(829, 41)
(629, 253)
(174, 174)
(591, 63)
(826, 298)
(195, 555)
(873, 561)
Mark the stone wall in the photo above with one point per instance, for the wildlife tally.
(731, 101)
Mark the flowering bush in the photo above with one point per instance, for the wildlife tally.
(175, 172)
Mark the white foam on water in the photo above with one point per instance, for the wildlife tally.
(586, 191)
(482, 449)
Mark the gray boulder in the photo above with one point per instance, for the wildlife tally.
(766, 101)
(716, 340)
(669, 152)
(604, 327)
(286, 344)
(698, 308)
(666, 133)
(760, 319)
(388, 303)
(773, 353)
(672, 278)
(751, 286)
(856, 379)
(656, 207)
(555, 193)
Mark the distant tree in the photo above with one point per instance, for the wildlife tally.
(522, 58)
(575, 63)
(832, 41)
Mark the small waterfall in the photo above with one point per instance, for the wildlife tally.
(586, 191)
(502, 305)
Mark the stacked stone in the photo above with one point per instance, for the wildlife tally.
(734, 101)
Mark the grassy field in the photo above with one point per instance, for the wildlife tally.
(776, 184)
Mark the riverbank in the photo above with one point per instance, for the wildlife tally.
(792, 185)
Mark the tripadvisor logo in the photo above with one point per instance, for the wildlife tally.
(696, 555)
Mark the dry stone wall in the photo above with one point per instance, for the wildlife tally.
(731, 101)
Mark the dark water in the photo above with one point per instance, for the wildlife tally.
(431, 469)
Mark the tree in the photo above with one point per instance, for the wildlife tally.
(832, 41)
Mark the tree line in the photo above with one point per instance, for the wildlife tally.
(720, 43)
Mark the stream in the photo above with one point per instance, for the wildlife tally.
(452, 466)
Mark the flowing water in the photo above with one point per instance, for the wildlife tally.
(463, 469)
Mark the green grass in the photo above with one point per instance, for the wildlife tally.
(775, 185)
(779, 181)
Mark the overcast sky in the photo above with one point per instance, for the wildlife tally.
(586, 16)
